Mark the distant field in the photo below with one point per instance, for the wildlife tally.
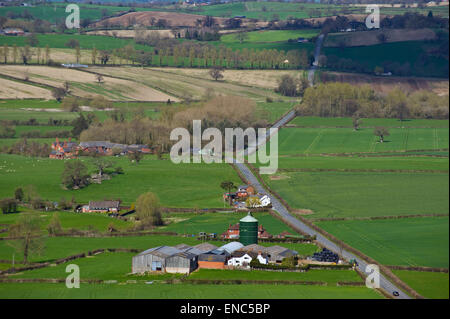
(177, 185)
(385, 84)
(429, 284)
(272, 36)
(55, 13)
(360, 194)
(415, 53)
(407, 242)
(361, 38)
(85, 84)
(86, 41)
(180, 85)
(362, 163)
(164, 291)
(60, 247)
(345, 140)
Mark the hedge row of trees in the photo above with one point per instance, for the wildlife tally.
(336, 99)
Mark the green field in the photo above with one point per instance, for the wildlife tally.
(60, 247)
(293, 141)
(361, 194)
(429, 284)
(55, 13)
(86, 41)
(331, 277)
(193, 223)
(71, 220)
(315, 121)
(177, 185)
(272, 36)
(412, 52)
(185, 291)
(407, 242)
(355, 163)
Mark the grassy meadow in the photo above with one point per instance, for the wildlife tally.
(184, 291)
(421, 241)
(411, 52)
(432, 285)
(177, 185)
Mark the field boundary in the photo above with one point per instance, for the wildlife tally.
(326, 219)
(361, 170)
(375, 154)
(419, 268)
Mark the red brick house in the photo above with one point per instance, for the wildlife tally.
(66, 149)
(233, 232)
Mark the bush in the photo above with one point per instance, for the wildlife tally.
(8, 205)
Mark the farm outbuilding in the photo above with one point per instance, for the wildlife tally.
(179, 259)
(182, 262)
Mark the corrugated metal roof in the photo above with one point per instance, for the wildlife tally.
(230, 247)
(205, 247)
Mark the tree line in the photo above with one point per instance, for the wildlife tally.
(336, 99)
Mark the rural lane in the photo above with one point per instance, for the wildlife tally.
(277, 206)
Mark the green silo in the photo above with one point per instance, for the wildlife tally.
(248, 230)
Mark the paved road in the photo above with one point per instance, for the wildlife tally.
(282, 210)
(313, 68)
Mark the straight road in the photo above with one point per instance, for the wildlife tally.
(284, 213)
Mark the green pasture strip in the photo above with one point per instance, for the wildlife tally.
(293, 141)
(184, 291)
(357, 163)
(315, 121)
(420, 241)
(434, 285)
(177, 185)
(412, 52)
(193, 223)
(58, 40)
(331, 277)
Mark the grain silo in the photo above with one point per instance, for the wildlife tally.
(248, 230)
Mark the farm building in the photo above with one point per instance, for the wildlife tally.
(106, 206)
(242, 259)
(212, 261)
(108, 148)
(275, 254)
(66, 149)
(13, 31)
(181, 258)
(205, 247)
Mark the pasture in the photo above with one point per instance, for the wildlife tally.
(69, 220)
(421, 241)
(363, 194)
(331, 277)
(177, 185)
(414, 53)
(193, 223)
(293, 141)
(432, 285)
(184, 291)
(272, 36)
